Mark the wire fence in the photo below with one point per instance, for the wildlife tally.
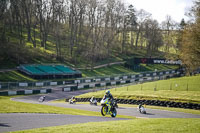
(160, 85)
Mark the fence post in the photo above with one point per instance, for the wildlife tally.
(8, 85)
(171, 86)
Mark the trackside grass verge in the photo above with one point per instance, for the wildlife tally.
(174, 125)
(8, 106)
(185, 89)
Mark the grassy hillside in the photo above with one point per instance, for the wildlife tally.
(25, 53)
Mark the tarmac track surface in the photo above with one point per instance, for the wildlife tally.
(131, 111)
(24, 121)
(19, 121)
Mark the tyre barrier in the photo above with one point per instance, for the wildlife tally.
(149, 102)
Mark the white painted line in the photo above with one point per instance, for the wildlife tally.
(107, 79)
(53, 83)
(149, 78)
(67, 89)
(10, 93)
(80, 87)
(28, 92)
(77, 81)
(147, 74)
(125, 77)
(39, 84)
(133, 76)
(156, 78)
(91, 85)
(141, 79)
(103, 84)
(87, 81)
(98, 80)
(43, 91)
(23, 84)
(116, 78)
(122, 82)
(113, 83)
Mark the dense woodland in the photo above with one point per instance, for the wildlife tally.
(92, 30)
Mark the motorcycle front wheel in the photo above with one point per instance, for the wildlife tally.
(103, 110)
(114, 112)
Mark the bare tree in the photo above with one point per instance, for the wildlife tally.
(153, 35)
(168, 29)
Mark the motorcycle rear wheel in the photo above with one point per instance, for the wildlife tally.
(114, 112)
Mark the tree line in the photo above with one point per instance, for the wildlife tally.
(90, 30)
(188, 40)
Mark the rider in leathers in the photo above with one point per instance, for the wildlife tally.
(110, 99)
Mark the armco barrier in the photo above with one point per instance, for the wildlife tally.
(153, 75)
(24, 92)
(149, 102)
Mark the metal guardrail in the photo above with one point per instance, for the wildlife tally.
(146, 75)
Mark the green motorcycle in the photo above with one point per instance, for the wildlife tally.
(105, 110)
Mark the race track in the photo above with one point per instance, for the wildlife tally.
(20, 121)
(131, 111)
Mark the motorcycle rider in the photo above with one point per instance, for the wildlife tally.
(91, 100)
(141, 109)
(110, 99)
(72, 100)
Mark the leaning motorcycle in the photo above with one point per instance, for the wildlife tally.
(105, 110)
(93, 102)
(41, 99)
(72, 101)
(141, 109)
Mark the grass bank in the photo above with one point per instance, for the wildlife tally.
(185, 89)
(127, 126)
(14, 76)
